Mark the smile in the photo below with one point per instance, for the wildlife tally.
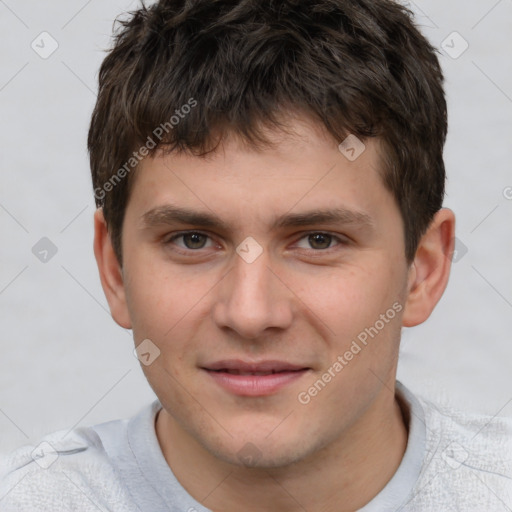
(254, 379)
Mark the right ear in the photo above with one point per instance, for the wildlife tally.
(111, 275)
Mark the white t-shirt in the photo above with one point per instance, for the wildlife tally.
(453, 462)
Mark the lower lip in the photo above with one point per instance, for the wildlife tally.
(255, 385)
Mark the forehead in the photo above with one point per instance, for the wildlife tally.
(304, 169)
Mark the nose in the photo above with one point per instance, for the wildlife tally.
(252, 298)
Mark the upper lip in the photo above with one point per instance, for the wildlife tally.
(261, 366)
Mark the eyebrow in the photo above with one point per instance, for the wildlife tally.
(170, 214)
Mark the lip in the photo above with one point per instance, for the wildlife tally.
(254, 378)
(247, 367)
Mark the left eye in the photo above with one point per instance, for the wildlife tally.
(319, 241)
(192, 240)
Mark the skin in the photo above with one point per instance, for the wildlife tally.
(298, 302)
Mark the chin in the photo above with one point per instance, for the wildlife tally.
(259, 452)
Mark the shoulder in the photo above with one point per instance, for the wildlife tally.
(486, 439)
(64, 471)
(468, 459)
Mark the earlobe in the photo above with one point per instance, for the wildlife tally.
(430, 270)
(110, 272)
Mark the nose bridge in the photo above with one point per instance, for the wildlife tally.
(250, 280)
(252, 298)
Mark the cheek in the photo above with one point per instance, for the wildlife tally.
(167, 307)
(350, 300)
(373, 330)
(146, 297)
(157, 294)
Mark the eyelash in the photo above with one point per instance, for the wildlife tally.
(181, 234)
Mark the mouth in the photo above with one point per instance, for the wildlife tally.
(254, 379)
(241, 372)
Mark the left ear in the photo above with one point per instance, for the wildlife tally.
(429, 272)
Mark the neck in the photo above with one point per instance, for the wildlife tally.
(342, 477)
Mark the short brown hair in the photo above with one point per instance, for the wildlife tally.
(200, 69)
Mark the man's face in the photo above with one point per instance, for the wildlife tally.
(273, 288)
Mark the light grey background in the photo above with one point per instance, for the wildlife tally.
(64, 362)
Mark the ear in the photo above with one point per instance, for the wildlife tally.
(429, 272)
(111, 275)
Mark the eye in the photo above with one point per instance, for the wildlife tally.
(195, 241)
(319, 241)
(192, 240)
